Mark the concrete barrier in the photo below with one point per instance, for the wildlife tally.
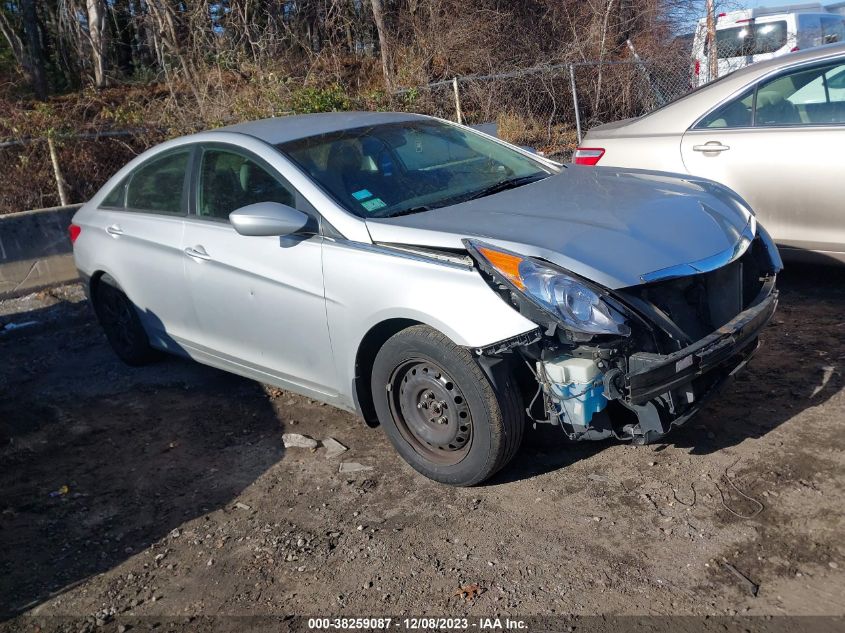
(35, 250)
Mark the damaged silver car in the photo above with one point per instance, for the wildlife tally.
(443, 284)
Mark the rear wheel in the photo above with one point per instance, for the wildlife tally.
(441, 412)
(121, 323)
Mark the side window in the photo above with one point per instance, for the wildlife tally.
(809, 31)
(157, 185)
(736, 113)
(769, 37)
(117, 196)
(751, 39)
(833, 29)
(229, 180)
(807, 97)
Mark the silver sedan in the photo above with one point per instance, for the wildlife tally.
(774, 132)
(439, 282)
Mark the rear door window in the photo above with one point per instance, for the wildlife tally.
(158, 185)
(814, 96)
(735, 113)
(116, 199)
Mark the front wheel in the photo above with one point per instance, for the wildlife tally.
(440, 410)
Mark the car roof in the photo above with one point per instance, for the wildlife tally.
(680, 114)
(294, 127)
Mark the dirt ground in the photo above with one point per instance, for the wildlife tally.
(180, 499)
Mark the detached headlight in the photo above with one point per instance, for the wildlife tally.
(570, 301)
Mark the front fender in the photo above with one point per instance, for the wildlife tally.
(369, 284)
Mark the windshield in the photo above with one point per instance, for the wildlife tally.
(399, 168)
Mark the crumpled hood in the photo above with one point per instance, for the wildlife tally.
(608, 225)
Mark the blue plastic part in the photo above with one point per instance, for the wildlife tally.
(580, 402)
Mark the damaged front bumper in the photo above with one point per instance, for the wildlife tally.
(639, 396)
(685, 335)
(666, 390)
(654, 374)
(617, 389)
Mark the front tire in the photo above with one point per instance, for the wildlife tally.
(122, 325)
(440, 410)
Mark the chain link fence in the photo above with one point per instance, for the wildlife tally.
(65, 169)
(545, 107)
(550, 107)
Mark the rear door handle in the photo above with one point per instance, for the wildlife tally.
(711, 147)
(197, 252)
(114, 229)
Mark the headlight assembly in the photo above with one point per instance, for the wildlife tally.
(571, 302)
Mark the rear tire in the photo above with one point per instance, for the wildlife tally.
(440, 410)
(122, 325)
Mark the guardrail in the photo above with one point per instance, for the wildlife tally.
(35, 251)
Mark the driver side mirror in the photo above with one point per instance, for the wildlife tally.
(268, 218)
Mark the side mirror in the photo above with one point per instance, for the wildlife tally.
(267, 218)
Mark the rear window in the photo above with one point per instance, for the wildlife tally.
(751, 39)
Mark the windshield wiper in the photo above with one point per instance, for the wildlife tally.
(408, 211)
(510, 183)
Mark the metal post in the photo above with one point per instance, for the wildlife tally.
(57, 172)
(458, 114)
(575, 101)
(713, 52)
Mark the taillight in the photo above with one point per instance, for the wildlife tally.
(697, 70)
(73, 231)
(588, 155)
(794, 49)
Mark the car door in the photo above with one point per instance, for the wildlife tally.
(779, 145)
(259, 301)
(142, 220)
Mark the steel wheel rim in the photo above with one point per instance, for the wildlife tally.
(117, 317)
(430, 411)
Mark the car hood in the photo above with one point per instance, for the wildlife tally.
(608, 225)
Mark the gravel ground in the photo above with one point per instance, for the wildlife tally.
(167, 491)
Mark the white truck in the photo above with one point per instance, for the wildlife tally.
(752, 35)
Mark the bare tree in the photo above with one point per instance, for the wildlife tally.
(378, 17)
(35, 53)
(602, 49)
(96, 35)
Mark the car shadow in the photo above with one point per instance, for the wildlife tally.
(101, 460)
(799, 365)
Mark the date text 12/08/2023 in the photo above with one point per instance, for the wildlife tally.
(415, 624)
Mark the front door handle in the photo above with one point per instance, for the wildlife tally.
(197, 252)
(712, 146)
(114, 229)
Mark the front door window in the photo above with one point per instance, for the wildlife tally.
(229, 180)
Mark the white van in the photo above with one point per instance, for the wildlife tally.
(753, 35)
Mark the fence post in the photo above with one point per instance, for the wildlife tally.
(575, 101)
(458, 114)
(57, 171)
